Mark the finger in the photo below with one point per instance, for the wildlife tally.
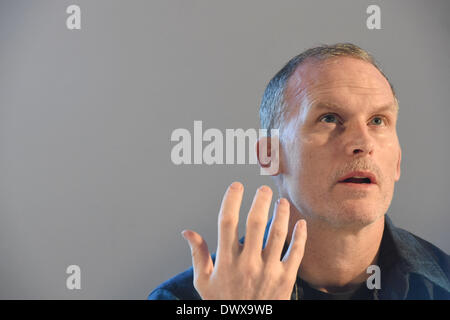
(228, 221)
(256, 221)
(201, 259)
(294, 255)
(278, 231)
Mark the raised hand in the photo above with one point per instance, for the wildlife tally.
(247, 271)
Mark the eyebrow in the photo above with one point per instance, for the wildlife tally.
(332, 106)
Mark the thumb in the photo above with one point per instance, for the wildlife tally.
(201, 259)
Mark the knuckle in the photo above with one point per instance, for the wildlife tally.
(298, 245)
(256, 223)
(227, 221)
(195, 251)
(295, 250)
(274, 272)
(224, 261)
(195, 256)
(256, 219)
(278, 233)
(268, 271)
(250, 269)
(286, 276)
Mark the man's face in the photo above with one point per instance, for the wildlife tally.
(341, 117)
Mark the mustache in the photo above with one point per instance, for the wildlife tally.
(359, 165)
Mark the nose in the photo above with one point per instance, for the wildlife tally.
(357, 140)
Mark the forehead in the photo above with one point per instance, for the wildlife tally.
(341, 80)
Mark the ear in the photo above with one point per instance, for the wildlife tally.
(397, 173)
(268, 154)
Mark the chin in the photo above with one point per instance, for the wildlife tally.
(352, 216)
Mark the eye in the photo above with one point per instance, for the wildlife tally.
(329, 118)
(378, 121)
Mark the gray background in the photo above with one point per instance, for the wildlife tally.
(86, 118)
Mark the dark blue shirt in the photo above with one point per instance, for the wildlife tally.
(411, 268)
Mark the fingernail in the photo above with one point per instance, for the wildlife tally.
(264, 189)
(302, 223)
(236, 186)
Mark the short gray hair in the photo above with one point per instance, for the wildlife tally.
(273, 104)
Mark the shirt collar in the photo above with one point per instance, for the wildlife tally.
(409, 257)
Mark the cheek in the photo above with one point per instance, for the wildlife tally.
(311, 164)
(391, 159)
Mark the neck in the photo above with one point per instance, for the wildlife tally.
(336, 259)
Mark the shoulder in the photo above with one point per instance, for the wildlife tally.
(179, 287)
(423, 258)
(423, 251)
(438, 255)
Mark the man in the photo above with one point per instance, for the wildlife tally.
(339, 158)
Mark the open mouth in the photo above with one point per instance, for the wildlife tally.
(356, 180)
